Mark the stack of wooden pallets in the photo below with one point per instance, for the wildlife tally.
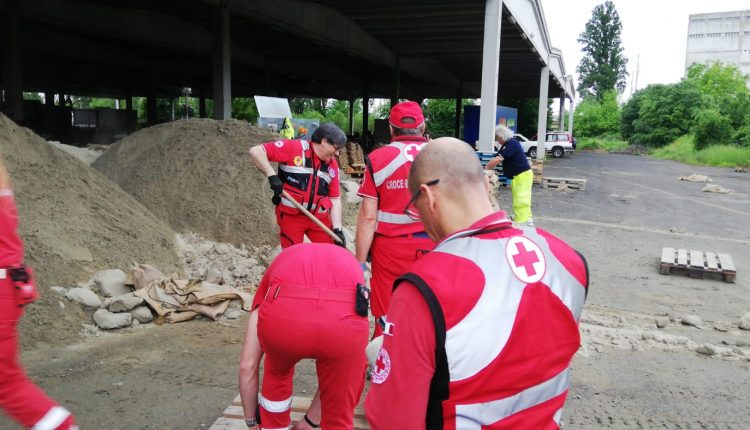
(536, 167)
(234, 419)
(697, 264)
(565, 183)
(355, 170)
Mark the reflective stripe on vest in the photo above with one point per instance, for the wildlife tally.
(392, 218)
(477, 340)
(381, 175)
(475, 343)
(286, 202)
(476, 415)
(296, 169)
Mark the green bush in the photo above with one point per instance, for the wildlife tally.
(595, 117)
(711, 127)
(683, 150)
(608, 143)
(742, 136)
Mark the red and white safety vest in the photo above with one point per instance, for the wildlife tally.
(386, 180)
(503, 347)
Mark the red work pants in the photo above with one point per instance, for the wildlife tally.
(295, 227)
(19, 397)
(309, 322)
(391, 258)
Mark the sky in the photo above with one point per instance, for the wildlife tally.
(654, 29)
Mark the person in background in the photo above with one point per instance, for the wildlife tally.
(385, 234)
(516, 168)
(309, 173)
(19, 397)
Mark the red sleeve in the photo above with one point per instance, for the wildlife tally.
(368, 189)
(11, 247)
(400, 384)
(335, 189)
(283, 150)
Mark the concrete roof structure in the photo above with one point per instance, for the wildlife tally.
(326, 48)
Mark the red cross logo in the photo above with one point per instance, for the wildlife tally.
(382, 367)
(526, 259)
(411, 151)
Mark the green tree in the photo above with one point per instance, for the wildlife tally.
(665, 112)
(595, 117)
(723, 87)
(440, 116)
(603, 66)
(244, 108)
(711, 127)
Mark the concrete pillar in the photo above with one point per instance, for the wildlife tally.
(12, 71)
(49, 99)
(459, 102)
(222, 63)
(128, 102)
(561, 114)
(171, 106)
(396, 83)
(351, 117)
(365, 118)
(541, 128)
(151, 106)
(202, 105)
(490, 72)
(570, 116)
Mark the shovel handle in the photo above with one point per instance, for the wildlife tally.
(312, 217)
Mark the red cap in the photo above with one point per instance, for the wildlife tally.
(409, 111)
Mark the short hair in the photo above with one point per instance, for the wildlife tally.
(503, 132)
(419, 131)
(331, 132)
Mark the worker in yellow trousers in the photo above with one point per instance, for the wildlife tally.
(516, 168)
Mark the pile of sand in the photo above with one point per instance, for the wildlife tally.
(74, 222)
(197, 176)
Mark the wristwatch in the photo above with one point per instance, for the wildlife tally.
(251, 422)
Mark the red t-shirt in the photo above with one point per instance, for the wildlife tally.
(293, 153)
(11, 247)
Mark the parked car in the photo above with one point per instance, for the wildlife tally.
(558, 143)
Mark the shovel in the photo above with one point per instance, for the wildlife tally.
(311, 216)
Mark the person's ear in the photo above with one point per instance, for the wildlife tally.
(487, 184)
(429, 196)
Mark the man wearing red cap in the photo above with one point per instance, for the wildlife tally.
(19, 397)
(391, 239)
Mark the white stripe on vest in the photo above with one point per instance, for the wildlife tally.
(476, 415)
(52, 419)
(296, 169)
(381, 175)
(476, 340)
(392, 218)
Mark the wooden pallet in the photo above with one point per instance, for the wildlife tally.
(697, 264)
(537, 167)
(355, 170)
(233, 417)
(567, 183)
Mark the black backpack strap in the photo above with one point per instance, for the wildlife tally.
(441, 379)
(368, 164)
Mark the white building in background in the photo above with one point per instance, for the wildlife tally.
(723, 37)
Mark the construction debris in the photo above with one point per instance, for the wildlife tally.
(710, 188)
(695, 178)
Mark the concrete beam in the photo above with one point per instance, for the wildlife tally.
(12, 71)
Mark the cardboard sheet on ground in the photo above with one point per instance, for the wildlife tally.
(177, 300)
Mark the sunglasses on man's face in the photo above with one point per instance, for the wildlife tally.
(411, 211)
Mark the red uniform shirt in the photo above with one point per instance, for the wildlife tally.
(385, 180)
(523, 341)
(301, 169)
(11, 247)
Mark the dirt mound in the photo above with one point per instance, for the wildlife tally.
(74, 222)
(197, 176)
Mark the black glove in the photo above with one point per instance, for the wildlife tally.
(340, 234)
(276, 185)
(276, 200)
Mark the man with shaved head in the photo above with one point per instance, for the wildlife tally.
(483, 328)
